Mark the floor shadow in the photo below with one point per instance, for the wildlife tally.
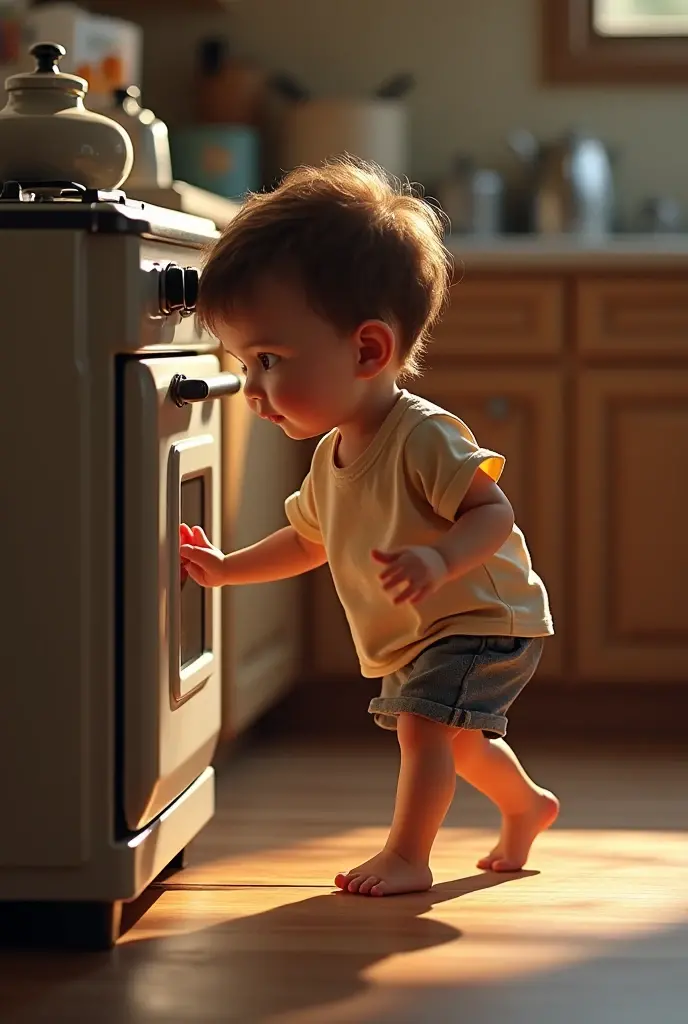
(253, 957)
(623, 980)
(49, 925)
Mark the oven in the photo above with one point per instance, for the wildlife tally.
(113, 712)
(170, 627)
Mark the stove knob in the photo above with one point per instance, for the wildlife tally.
(191, 278)
(172, 289)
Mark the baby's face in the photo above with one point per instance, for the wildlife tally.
(300, 371)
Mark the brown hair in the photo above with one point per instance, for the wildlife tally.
(361, 244)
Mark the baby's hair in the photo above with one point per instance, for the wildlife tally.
(361, 244)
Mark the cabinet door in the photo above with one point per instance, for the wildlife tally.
(519, 414)
(501, 316)
(632, 563)
(261, 623)
(632, 317)
(330, 649)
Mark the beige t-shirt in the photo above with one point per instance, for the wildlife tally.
(405, 489)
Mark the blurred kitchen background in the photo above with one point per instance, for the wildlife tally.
(554, 133)
(480, 100)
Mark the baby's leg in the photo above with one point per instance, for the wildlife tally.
(427, 781)
(493, 768)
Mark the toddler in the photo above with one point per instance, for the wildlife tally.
(325, 291)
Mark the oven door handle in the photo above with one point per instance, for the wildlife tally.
(184, 390)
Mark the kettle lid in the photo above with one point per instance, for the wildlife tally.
(47, 74)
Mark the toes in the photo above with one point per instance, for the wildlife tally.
(357, 882)
(379, 889)
(485, 864)
(506, 866)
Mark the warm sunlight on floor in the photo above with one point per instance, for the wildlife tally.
(252, 931)
(591, 897)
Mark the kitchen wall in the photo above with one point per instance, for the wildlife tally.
(477, 75)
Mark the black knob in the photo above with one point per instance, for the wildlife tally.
(191, 278)
(48, 56)
(11, 191)
(172, 289)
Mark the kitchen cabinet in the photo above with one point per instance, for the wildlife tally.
(501, 317)
(519, 414)
(261, 623)
(636, 317)
(580, 378)
(329, 647)
(631, 538)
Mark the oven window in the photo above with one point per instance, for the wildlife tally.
(192, 603)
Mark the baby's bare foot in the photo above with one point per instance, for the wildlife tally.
(386, 874)
(519, 832)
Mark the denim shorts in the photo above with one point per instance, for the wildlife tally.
(468, 682)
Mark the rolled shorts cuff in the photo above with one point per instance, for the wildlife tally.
(386, 709)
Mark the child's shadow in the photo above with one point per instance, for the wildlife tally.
(317, 951)
(298, 956)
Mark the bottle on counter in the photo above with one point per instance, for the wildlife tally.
(228, 90)
(221, 151)
(152, 161)
(472, 197)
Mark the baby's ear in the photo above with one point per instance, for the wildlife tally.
(376, 345)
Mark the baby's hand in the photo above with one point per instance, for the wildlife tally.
(203, 562)
(421, 568)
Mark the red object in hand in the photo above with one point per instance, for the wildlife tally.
(185, 537)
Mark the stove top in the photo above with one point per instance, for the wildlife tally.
(68, 205)
(59, 192)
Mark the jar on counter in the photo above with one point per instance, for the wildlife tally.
(472, 198)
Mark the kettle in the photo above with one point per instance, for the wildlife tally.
(47, 134)
(571, 183)
(152, 162)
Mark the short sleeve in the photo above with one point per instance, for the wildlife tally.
(302, 513)
(441, 457)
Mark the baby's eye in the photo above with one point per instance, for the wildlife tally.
(267, 360)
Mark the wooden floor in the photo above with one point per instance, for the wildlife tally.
(596, 930)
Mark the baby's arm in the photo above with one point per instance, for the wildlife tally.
(484, 522)
(457, 479)
(277, 557)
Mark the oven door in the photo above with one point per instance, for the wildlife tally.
(170, 473)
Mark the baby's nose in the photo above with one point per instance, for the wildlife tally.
(252, 388)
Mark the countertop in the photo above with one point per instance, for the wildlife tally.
(621, 252)
(190, 199)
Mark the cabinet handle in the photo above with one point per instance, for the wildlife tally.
(498, 408)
